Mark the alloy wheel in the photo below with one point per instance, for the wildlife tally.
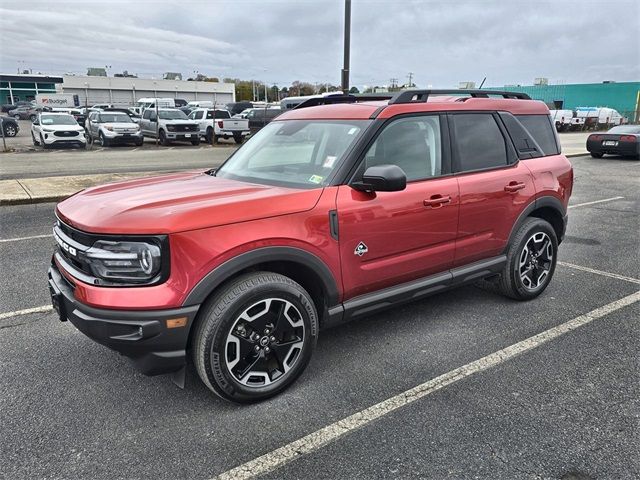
(265, 342)
(535, 262)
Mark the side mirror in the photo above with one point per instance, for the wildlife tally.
(382, 178)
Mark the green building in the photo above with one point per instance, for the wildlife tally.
(622, 96)
(14, 88)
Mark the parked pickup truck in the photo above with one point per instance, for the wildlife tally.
(171, 125)
(218, 122)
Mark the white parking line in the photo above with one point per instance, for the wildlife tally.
(18, 239)
(318, 439)
(600, 272)
(43, 308)
(595, 201)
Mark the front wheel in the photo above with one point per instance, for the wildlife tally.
(35, 142)
(17, 117)
(531, 260)
(10, 130)
(33, 118)
(163, 138)
(103, 140)
(195, 141)
(255, 337)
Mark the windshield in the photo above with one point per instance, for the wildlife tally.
(172, 115)
(294, 153)
(58, 120)
(115, 118)
(625, 129)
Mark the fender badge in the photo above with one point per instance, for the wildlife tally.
(361, 249)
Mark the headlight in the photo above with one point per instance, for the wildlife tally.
(171, 128)
(124, 262)
(48, 130)
(108, 127)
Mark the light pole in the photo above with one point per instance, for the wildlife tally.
(347, 46)
(86, 94)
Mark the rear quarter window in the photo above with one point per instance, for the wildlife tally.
(540, 128)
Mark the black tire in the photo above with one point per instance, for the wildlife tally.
(209, 136)
(596, 155)
(195, 142)
(237, 139)
(44, 145)
(33, 118)
(104, 142)
(213, 341)
(35, 142)
(163, 138)
(17, 117)
(510, 282)
(140, 142)
(10, 130)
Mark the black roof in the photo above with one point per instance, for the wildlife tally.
(29, 78)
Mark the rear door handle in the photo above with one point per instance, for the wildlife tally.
(514, 187)
(437, 201)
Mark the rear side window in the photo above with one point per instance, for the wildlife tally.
(478, 141)
(540, 129)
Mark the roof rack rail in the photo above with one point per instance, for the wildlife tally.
(329, 100)
(420, 96)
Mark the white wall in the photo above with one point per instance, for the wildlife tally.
(125, 91)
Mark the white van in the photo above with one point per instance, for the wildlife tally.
(150, 102)
(200, 104)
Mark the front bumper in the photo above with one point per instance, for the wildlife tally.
(117, 137)
(51, 139)
(142, 336)
(184, 136)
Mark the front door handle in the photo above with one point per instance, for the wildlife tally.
(437, 201)
(514, 187)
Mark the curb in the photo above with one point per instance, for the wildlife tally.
(572, 155)
(31, 201)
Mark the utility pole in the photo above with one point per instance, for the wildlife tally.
(393, 83)
(410, 75)
(347, 46)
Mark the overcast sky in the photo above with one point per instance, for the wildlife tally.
(441, 42)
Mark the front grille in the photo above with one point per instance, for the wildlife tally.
(75, 241)
(66, 134)
(185, 128)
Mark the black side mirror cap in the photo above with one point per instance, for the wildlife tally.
(382, 178)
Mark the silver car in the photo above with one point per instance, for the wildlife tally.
(109, 128)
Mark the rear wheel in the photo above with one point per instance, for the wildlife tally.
(32, 118)
(16, 116)
(596, 155)
(255, 337)
(10, 130)
(237, 138)
(209, 136)
(531, 261)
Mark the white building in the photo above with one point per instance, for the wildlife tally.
(127, 90)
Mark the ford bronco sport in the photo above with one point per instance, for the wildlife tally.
(341, 207)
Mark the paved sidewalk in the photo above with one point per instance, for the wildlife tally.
(53, 189)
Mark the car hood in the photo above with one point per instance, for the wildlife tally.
(178, 202)
(120, 125)
(179, 122)
(65, 128)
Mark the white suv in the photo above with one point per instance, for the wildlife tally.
(113, 127)
(60, 129)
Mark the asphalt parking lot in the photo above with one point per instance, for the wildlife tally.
(567, 407)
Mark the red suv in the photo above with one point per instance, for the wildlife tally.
(339, 208)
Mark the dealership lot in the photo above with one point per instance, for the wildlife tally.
(72, 408)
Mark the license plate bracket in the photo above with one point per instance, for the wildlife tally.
(610, 143)
(57, 302)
